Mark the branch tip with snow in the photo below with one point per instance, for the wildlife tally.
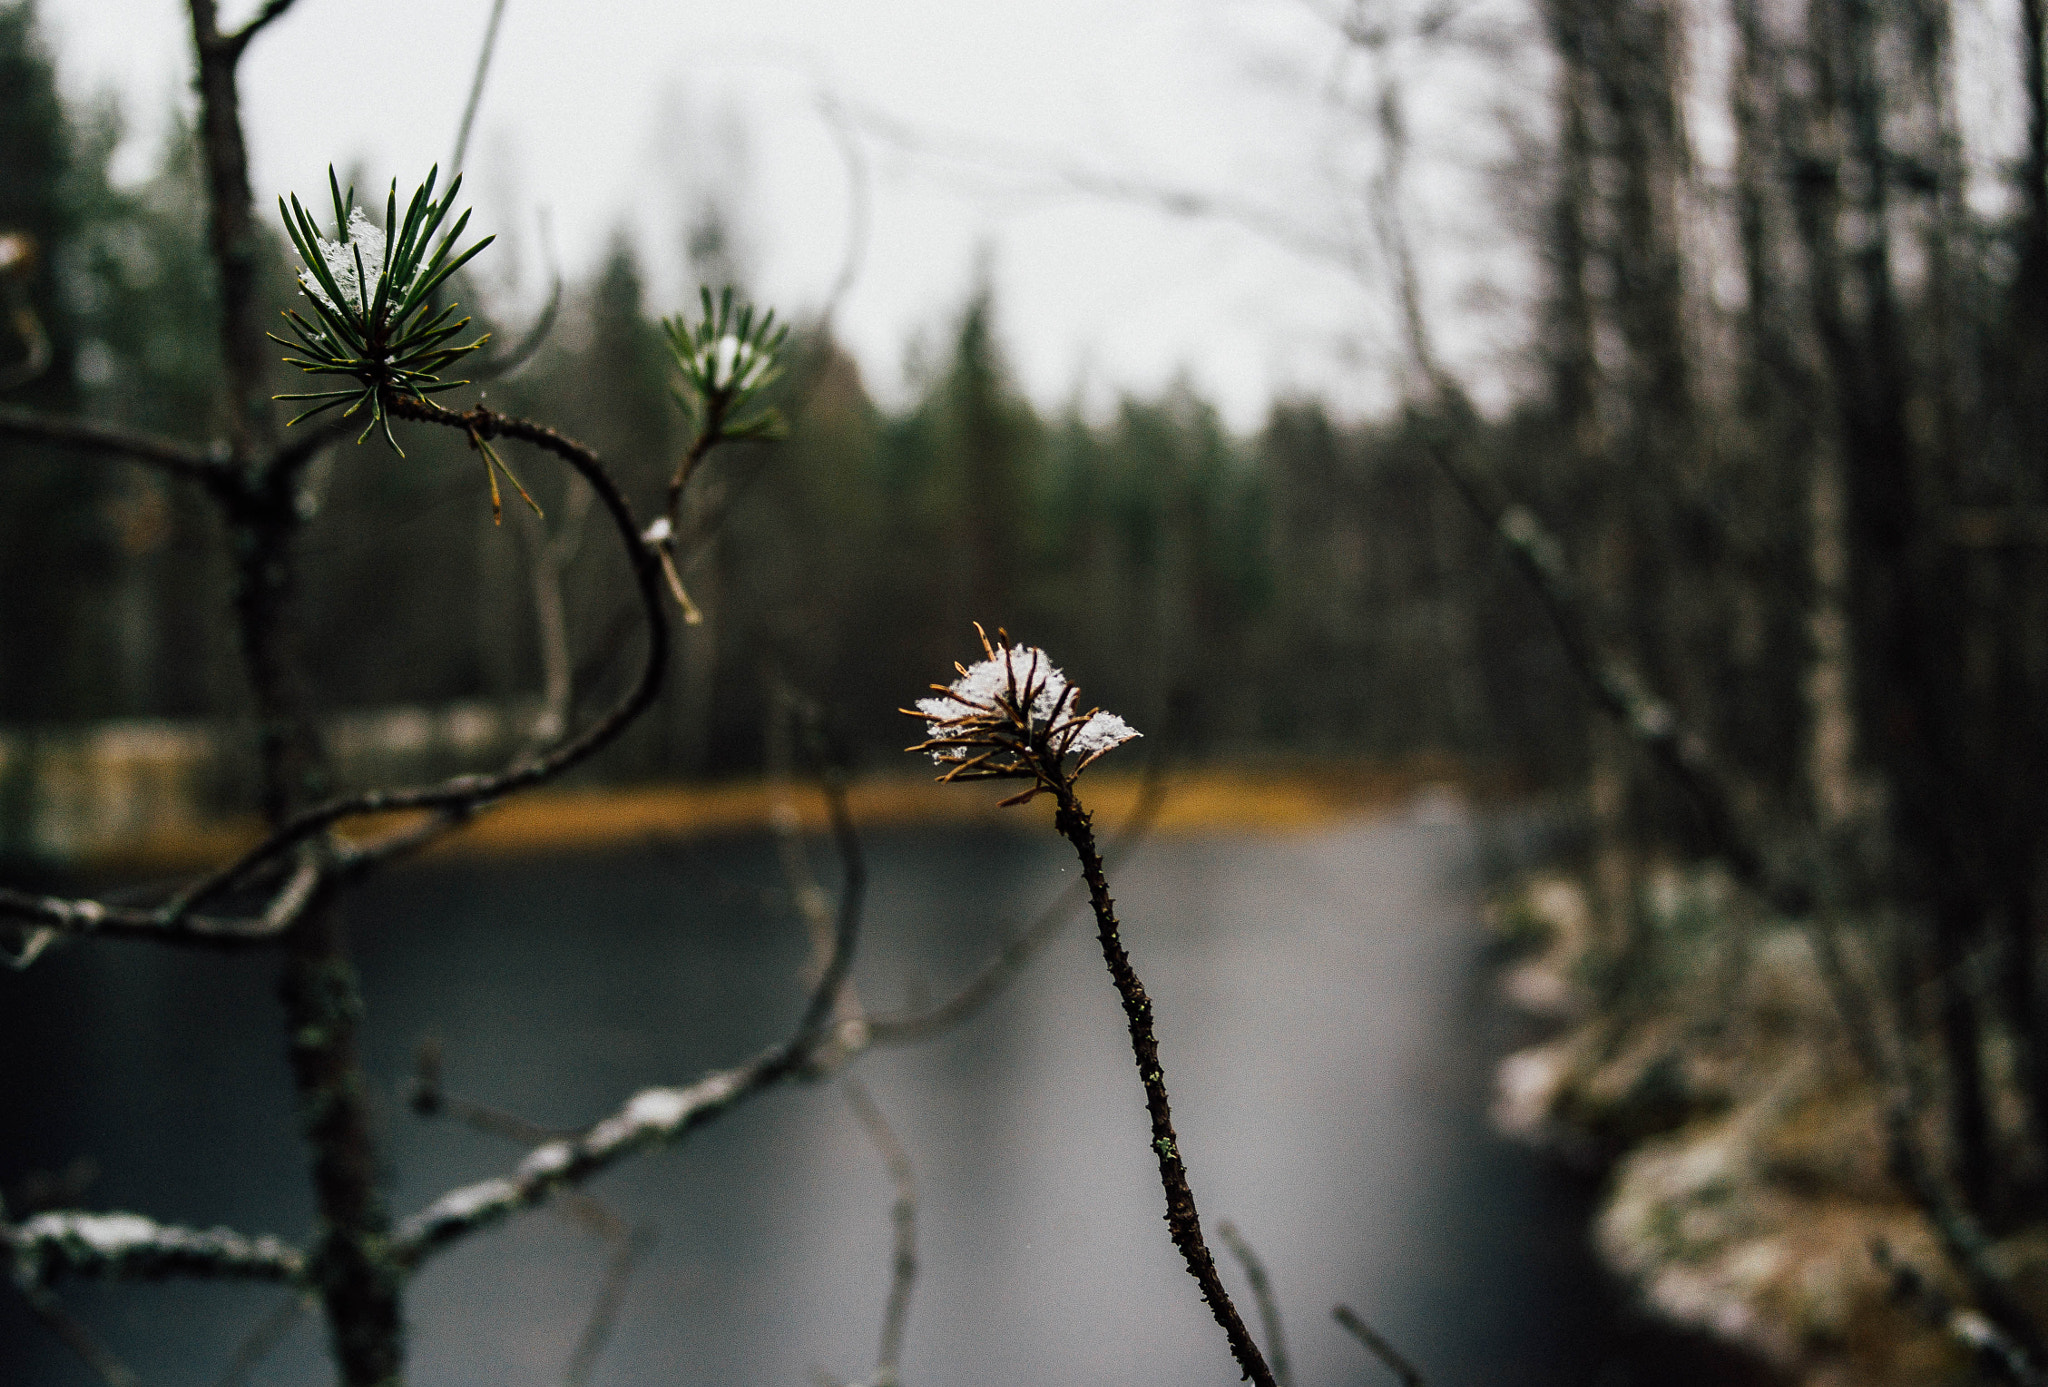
(1014, 715)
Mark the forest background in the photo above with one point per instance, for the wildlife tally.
(1312, 587)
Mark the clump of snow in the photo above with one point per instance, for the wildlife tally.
(110, 1235)
(731, 361)
(1526, 1087)
(546, 1160)
(657, 1107)
(460, 1206)
(1022, 682)
(1000, 682)
(362, 237)
(1101, 732)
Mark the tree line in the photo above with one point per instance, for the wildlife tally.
(1309, 587)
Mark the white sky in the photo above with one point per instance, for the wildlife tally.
(610, 112)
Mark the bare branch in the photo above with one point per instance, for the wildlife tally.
(453, 801)
(1623, 693)
(1183, 1221)
(611, 1298)
(1685, 757)
(1962, 1238)
(271, 11)
(1269, 223)
(429, 1099)
(476, 87)
(96, 1356)
(167, 923)
(297, 453)
(859, 204)
(129, 1247)
(628, 1242)
(1002, 970)
(1979, 1336)
(460, 797)
(652, 1117)
(1365, 1334)
(1614, 683)
(661, 1116)
(209, 465)
(1262, 1293)
(500, 365)
(264, 1338)
(903, 1263)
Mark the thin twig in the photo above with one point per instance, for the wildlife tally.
(454, 801)
(1409, 1374)
(1183, 1221)
(611, 1299)
(549, 557)
(429, 1099)
(499, 364)
(903, 1216)
(103, 1362)
(1684, 756)
(287, 903)
(662, 1116)
(460, 797)
(502, 364)
(628, 1242)
(1962, 1238)
(476, 88)
(1973, 1331)
(272, 10)
(1270, 223)
(1262, 1293)
(908, 1028)
(859, 205)
(262, 1340)
(209, 465)
(798, 719)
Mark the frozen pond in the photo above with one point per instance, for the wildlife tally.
(1324, 1029)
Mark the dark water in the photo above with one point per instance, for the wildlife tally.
(1324, 1028)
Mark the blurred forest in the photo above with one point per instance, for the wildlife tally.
(1311, 588)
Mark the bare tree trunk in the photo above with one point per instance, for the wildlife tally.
(1842, 145)
(1831, 717)
(245, 352)
(358, 1281)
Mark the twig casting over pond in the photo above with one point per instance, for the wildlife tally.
(1015, 716)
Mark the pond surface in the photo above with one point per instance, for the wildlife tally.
(1324, 1026)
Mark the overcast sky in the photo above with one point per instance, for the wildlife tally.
(615, 114)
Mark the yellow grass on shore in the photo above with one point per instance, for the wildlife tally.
(1196, 800)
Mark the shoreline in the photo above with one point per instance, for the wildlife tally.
(1198, 799)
